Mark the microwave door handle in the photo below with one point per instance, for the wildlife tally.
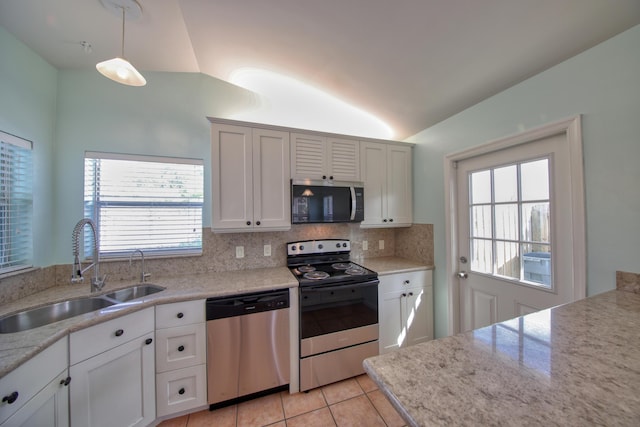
(353, 202)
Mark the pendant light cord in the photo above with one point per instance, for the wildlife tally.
(123, 32)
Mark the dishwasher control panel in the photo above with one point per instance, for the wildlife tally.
(239, 305)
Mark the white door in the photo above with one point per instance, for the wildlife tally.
(520, 230)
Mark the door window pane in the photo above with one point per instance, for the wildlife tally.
(481, 256)
(507, 221)
(535, 180)
(506, 184)
(481, 224)
(536, 261)
(481, 187)
(536, 222)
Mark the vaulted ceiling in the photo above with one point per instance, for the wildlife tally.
(411, 63)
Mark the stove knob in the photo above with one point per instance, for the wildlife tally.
(301, 248)
(344, 245)
(320, 246)
(293, 248)
(337, 245)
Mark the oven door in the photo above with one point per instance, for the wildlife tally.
(337, 316)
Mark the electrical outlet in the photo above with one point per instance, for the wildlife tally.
(267, 250)
(381, 244)
(365, 245)
(239, 251)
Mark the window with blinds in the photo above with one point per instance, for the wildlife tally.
(16, 203)
(142, 202)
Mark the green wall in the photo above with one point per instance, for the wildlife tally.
(28, 90)
(602, 84)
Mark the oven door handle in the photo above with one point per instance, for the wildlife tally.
(339, 287)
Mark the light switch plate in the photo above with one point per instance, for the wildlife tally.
(267, 250)
(381, 244)
(239, 251)
(365, 245)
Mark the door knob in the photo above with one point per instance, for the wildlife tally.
(462, 274)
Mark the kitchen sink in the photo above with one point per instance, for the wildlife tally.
(41, 316)
(134, 292)
(35, 317)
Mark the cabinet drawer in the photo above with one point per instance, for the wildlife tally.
(181, 390)
(409, 280)
(99, 338)
(180, 347)
(33, 375)
(180, 313)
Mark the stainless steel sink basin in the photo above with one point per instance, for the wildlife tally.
(134, 292)
(41, 316)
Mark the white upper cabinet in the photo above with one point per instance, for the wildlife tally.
(387, 176)
(250, 179)
(324, 158)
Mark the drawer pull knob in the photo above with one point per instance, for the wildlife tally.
(181, 391)
(257, 222)
(404, 295)
(406, 282)
(181, 348)
(410, 294)
(11, 398)
(180, 315)
(148, 341)
(66, 381)
(119, 332)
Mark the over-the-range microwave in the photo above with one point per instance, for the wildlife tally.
(326, 201)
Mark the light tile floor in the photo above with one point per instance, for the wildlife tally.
(353, 402)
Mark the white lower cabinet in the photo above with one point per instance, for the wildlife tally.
(36, 393)
(181, 373)
(114, 382)
(406, 309)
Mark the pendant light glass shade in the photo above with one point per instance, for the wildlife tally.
(119, 69)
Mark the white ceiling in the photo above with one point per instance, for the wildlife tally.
(411, 63)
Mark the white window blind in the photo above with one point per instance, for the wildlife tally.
(142, 202)
(16, 203)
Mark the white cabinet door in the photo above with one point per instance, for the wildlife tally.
(406, 309)
(33, 383)
(271, 185)
(250, 179)
(392, 333)
(115, 388)
(399, 188)
(387, 176)
(49, 407)
(319, 158)
(231, 176)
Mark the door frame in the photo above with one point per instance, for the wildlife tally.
(571, 127)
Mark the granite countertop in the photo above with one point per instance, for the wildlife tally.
(576, 364)
(16, 348)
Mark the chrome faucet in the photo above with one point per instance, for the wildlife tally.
(97, 282)
(143, 276)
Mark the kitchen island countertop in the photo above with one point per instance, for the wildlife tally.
(575, 364)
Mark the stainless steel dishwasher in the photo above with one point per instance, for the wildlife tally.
(247, 345)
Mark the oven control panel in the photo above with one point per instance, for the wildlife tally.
(308, 247)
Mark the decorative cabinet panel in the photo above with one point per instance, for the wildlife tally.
(387, 176)
(324, 158)
(115, 385)
(37, 393)
(406, 309)
(250, 179)
(181, 369)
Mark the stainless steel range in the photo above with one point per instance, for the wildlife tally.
(338, 311)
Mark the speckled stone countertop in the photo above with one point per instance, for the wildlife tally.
(572, 365)
(16, 348)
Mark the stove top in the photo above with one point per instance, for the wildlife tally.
(323, 262)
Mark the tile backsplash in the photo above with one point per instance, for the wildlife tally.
(219, 254)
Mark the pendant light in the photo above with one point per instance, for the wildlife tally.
(119, 69)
